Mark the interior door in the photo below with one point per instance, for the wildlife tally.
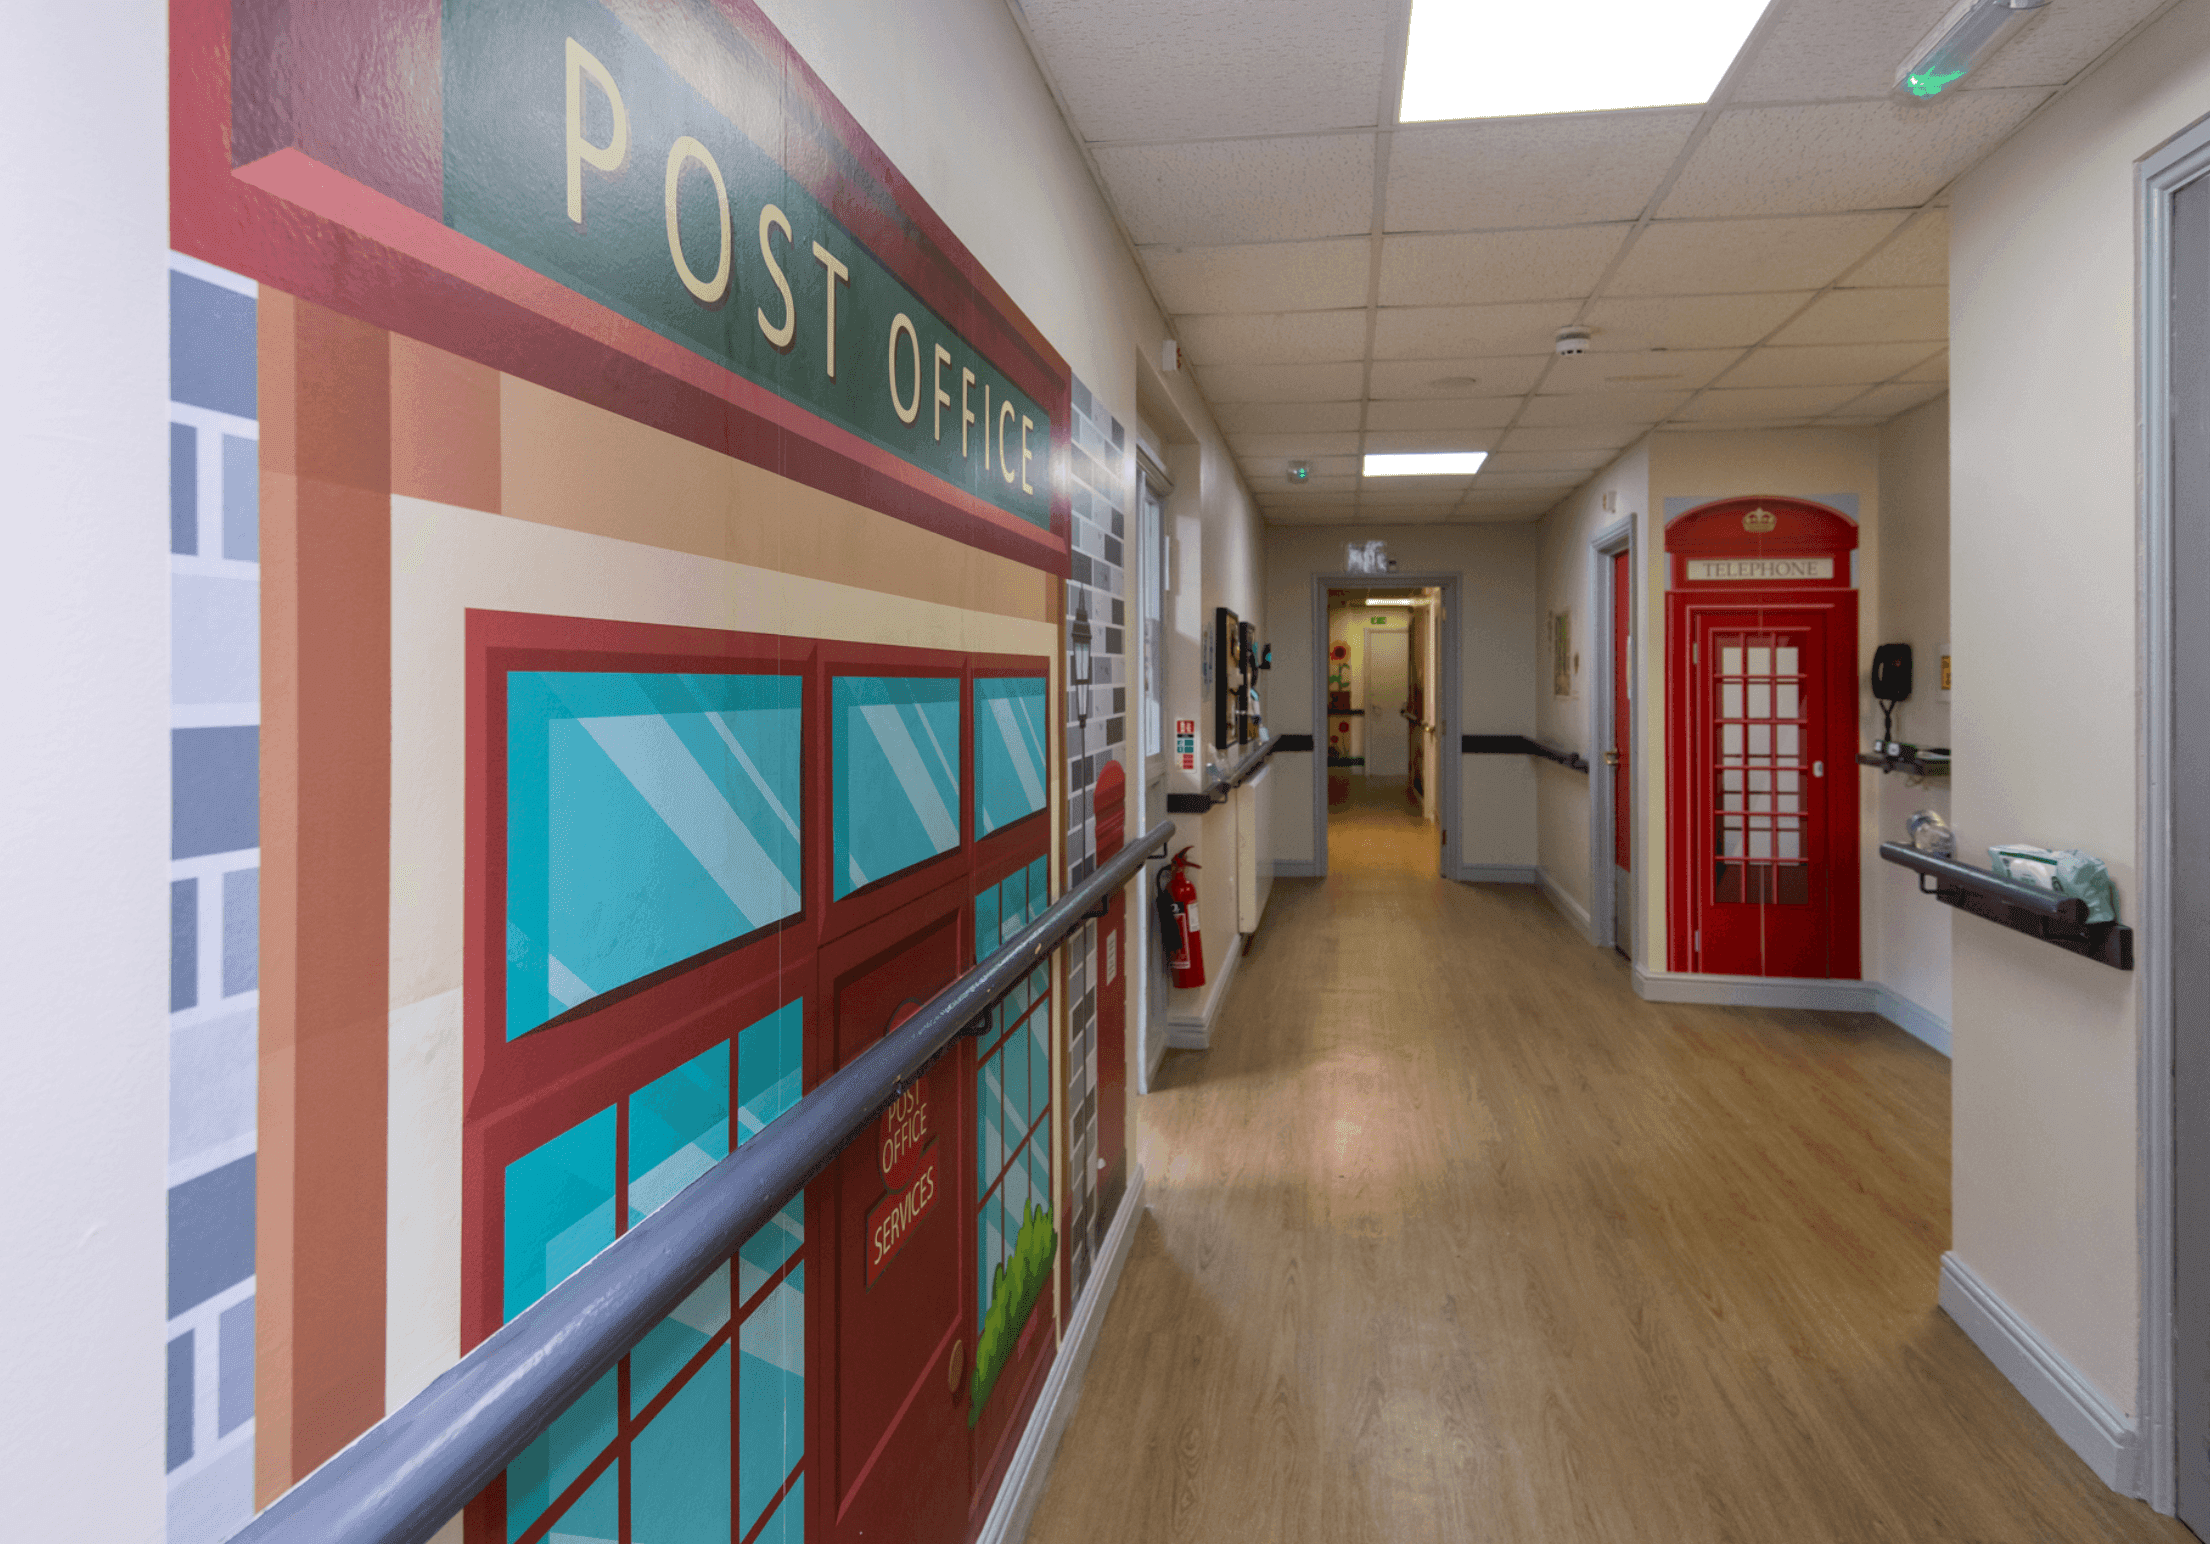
(1620, 758)
(1766, 776)
(899, 1455)
(1388, 682)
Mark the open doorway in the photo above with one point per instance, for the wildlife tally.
(1385, 724)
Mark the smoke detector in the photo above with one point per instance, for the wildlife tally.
(1572, 340)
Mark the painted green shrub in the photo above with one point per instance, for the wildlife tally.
(1013, 1293)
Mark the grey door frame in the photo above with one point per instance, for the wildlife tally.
(2180, 161)
(1450, 751)
(1602, 921)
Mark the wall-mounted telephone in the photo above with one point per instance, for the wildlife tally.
(1891, 684)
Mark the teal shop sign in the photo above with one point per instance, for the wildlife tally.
(573, 147)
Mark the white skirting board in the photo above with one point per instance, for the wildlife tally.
(1194, 1032)
(1797, 992)
(1573, 911)
(2091, 1426)
(1498, 874)
(1024, 1480)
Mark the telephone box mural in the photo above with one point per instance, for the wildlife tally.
(666, 527)
(1761, 728)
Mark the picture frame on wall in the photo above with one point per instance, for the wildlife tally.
(1561, 654)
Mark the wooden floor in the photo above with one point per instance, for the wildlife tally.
(1451, 1237)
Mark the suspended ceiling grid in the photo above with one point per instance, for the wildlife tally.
(1341, 284)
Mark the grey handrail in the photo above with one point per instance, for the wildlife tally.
(1980, 881)
(1243, 771)
(406, 1476)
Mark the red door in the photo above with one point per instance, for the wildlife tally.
(1622, 715)
(899, 1445)
(1771, 788)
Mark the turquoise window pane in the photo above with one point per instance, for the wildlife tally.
(559, 1209)
(763, 1254)
(1039, 981)
(550, 1465)
(1015, 1057)
(1038, 1160)
(989, 1250)
(1039, 888)
(989, 1117)
(1038, 1031)
(788, 1525)
(771, 1394)
(770, 1068)
(679, 1465)
(678, 1129)
(649, 818)
(1013, 903)
(986, 925)
(1009, 752)
(895, 777)
(669, 1345)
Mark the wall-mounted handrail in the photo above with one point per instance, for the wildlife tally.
(1520, 745)
(2054, 919)
(406, 1476)
(1964, 876)
(1222, 784)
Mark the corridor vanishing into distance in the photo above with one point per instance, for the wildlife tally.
(1452, 1237)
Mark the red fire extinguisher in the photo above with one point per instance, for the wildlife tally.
(1177, 897)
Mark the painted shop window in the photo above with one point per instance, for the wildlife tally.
(1014, 1236)
(1009, 751)
(650, 818)
(896, 775)
(694, 1440)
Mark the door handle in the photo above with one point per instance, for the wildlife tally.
(1818, 769)
(1611, 758)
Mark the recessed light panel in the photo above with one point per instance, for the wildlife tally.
(1509, 58)
(1426, 463)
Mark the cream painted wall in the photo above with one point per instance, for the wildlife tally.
(1801, 463)
(1498, 624)
(84, 774)
(1907, 936)
(1567, 582)
(2045, 718)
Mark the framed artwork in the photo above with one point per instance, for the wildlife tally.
(1561, 654)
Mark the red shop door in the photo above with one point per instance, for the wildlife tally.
(1771, 787)
(898, 1439)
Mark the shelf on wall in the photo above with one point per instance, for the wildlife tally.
(1918, 765)
(2054, 919)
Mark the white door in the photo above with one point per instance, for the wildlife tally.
(1388, 684)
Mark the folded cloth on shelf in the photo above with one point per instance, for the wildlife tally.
(2064, 871)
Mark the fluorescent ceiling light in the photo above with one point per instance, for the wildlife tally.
(1507, 58)
(1960, 43)
(1390, 603)
(1426, 463)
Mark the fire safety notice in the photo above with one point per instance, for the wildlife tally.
(1185, 743)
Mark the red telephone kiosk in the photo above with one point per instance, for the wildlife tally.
(1761, 732)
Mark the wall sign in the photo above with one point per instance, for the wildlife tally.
(1185, 743)
(1760, 570)
(905, 1151)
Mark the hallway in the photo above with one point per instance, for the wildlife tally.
(1578, 1267)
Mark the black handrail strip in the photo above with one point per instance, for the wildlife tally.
(1519, 745)
(1964, 876)
(409, 1474)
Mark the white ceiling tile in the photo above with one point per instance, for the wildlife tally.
(1935, 369)
(1611, 438)
(1222, 192)
(1293, 447)
(1531, 171)
(1884, 402)
(1274, 337)
(1451, 332)
(1497, 375)
(1319, 490)
(1495, 266)
(1411, 492)
(1919, 254)
(1281, 383)
(2059, 43)
(1272, 471)
(1767, 404)
(1827, 364)
(1726, 257)
(1735, 426)
(1155, 69)
(1327, 514)
(1682, 369)
(1513, 482)
(1446, 413)
(1602, 407)
(1692, 322)
(1872, 316)
(1431, 439)
(1284, 417)
(1842, 155)
(1577, 461)
(1266, 276)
